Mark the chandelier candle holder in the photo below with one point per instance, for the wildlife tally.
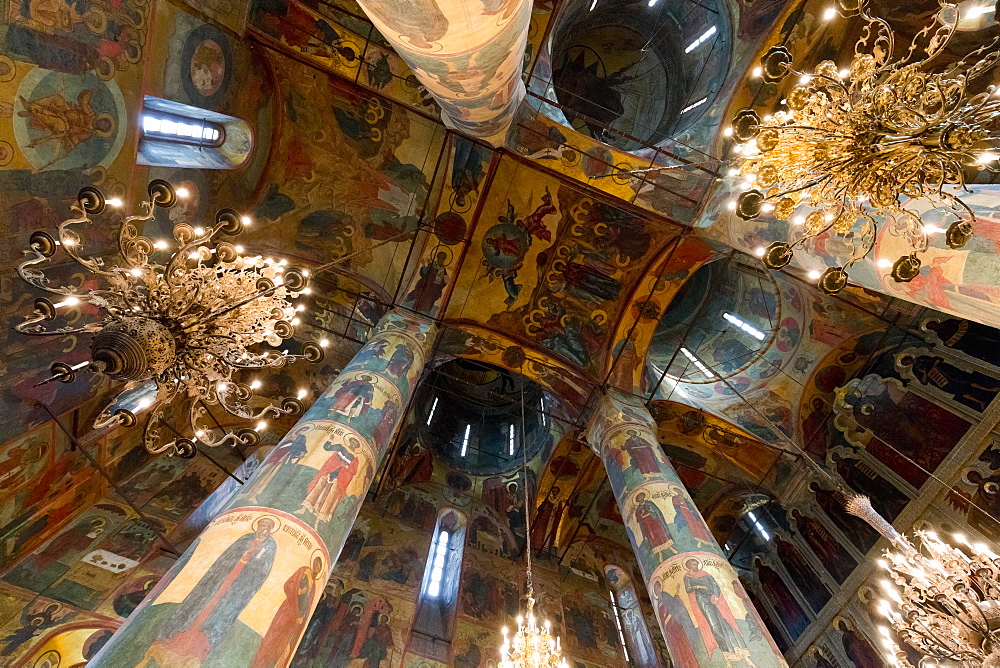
(183, 330)
(531, 646)
(856, 146)
(941, 600)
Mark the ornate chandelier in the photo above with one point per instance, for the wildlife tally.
(181, 330)
(855, 145)
(941, 600)
(531, 646)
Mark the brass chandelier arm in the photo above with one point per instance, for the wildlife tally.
(36, 277)
(134, 248)
(32, 327)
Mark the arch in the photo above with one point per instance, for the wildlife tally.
(476, 342)
(676, 263)
(69, 646)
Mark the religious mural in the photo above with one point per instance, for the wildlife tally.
(693, 586)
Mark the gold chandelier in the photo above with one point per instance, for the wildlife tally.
(183, 329)
(941, 600)
(854, 145)
(532, 646)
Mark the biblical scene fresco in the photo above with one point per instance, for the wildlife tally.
(463, 177)
(340, 39)
(373, 158)
(581, 254)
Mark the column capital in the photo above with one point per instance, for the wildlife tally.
(616, 411)
(420, 328)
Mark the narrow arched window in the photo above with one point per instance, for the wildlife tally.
(434, 620)
(179, 135)
(633, 633)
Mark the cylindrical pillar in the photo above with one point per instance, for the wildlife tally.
(242, 594)
(468, 55)
(704, 612)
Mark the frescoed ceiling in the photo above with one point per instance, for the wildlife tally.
(590, 252)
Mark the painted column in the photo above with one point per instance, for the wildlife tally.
(468, 55)
(242, 594)
(704, 612)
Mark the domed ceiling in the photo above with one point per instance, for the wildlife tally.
(646, 70)
(472, 414)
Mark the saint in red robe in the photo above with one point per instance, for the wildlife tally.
(641, 454)
(278, 645)
(330, 484)
(683, 514)
(651, 524)
(678, 643)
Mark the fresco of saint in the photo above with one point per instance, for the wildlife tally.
(641, 453)
(329, 485)
(652, 525)
(712, 616)
(213, 604)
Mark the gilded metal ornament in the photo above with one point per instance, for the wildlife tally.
(854, 148)
(183, 330)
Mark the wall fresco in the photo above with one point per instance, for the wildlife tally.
(448, 40)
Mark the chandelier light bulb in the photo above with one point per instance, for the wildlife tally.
(160, 245)
(183, 192)
(829, 13)
(115, 202)
(247, 221)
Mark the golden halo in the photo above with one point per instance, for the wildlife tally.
(273, 518)
(113, 124)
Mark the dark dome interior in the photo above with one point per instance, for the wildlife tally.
(470, 412)
(646, 69)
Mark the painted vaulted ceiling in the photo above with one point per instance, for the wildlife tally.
(588, 251)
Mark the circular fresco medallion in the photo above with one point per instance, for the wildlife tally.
(504, 245)
(206, 65)
(68, 121)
